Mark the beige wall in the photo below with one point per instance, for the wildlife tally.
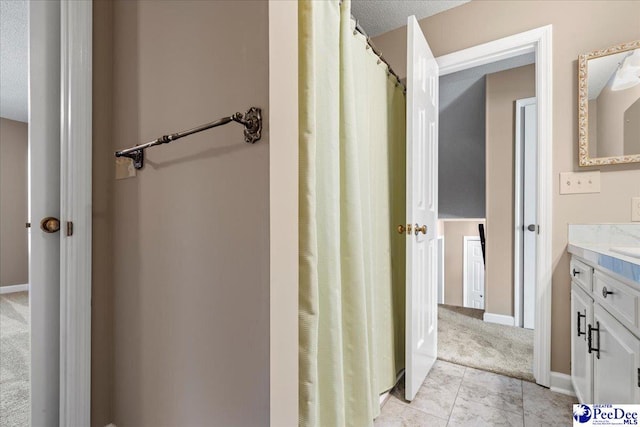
(14, 249)
(632, 128)
(102, 314)
(188, 238)
(503, 89)
(578, 27)
(611, 124)
(454, 232)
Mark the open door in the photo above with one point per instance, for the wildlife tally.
(44, 203)
(422, 210)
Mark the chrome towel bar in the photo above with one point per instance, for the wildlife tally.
(251, 120)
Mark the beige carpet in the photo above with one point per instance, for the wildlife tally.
(14, 360)
(464, 339)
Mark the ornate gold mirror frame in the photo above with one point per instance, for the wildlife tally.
(583, 109)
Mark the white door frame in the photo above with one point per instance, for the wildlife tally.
(538, 40)
(465, 247)
(441, 271)
(76, 208)
(518, 237)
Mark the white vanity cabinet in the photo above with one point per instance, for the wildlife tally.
(605, 343)
(581, 359)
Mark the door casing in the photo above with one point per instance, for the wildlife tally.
(539, 41)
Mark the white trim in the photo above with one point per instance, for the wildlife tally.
(75, 206)
(538, 40)
(441, 268)
(110, 425)
(561, 383)
(518, 235)
(282, 131)
(500, 319)
(465, 247)
(13, 288)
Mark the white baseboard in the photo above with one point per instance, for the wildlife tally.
(499, 318)
(561, 383)
(13, 288)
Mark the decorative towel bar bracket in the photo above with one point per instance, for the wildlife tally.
(251, 120)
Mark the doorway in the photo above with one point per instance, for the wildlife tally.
(15, 322)
(479, 178)
(534, 41)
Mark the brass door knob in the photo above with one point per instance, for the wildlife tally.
(401, 229)
(419, 229)
(50, 224)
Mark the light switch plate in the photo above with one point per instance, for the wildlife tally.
(579, 182)
(635, 209)
(124, 168)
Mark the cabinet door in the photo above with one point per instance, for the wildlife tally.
(581, 360)
(616, 370)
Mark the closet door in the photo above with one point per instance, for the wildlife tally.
(422, 210)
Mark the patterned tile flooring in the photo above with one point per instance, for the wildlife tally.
(454, 395)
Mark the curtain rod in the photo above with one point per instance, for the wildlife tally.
(251, 120)
(358, 29)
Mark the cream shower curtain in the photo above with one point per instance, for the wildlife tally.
(352, 195)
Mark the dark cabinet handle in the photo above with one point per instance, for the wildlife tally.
(590, 346)
(580, 315)
(605, 292)
(575, 272)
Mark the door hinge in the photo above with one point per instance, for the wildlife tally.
(27, 225)
(69, 228)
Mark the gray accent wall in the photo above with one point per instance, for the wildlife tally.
(461, 167)
(462, 153)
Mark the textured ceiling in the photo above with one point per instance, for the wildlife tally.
(14, 38)
(379, 16)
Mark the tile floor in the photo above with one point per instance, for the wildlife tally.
(454, 395)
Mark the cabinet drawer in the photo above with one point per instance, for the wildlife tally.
(581, 273)
(618, 298)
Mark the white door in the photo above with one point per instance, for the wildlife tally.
(473, 276)
(44, 201)
(581, 359)
(525, 209)
(530, 215)
(422, 210)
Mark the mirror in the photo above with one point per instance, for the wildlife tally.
(609, 105)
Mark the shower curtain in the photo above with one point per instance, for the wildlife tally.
(352, 196)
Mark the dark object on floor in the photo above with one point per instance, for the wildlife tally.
(481, 231)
